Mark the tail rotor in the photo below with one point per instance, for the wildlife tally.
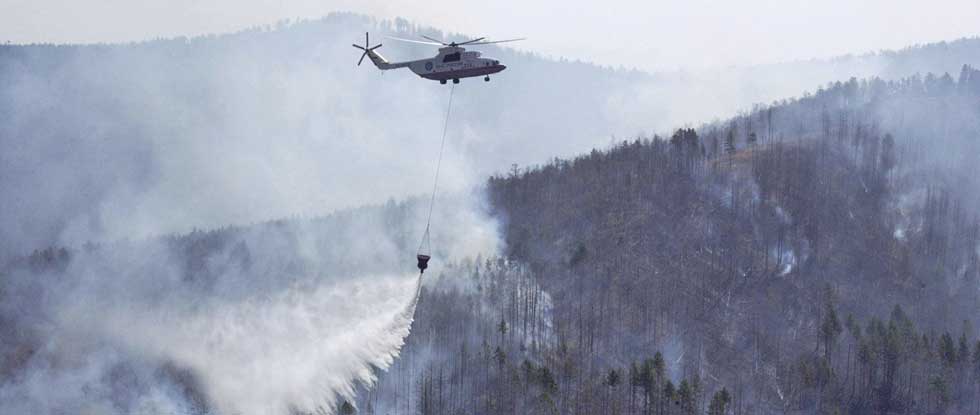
(366, 48)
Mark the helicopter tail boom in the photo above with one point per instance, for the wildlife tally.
(383, 63)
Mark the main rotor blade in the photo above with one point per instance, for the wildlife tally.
(358, 46)
(436, 40)
(470, 41)
(362, 58)
(498, 41)
(414, 41)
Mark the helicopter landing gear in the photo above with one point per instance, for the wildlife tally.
(455, 80)
(486, 78)
(442, 81)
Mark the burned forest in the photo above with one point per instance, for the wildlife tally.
(816, 255)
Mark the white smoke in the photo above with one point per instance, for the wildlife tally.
(302, 347)
(271, 319)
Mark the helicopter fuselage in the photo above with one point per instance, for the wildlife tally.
(452, 62)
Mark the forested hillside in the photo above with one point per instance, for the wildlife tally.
(821, 255)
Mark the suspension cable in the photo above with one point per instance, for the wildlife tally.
(435, 184)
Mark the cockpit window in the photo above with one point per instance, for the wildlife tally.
(452, 57)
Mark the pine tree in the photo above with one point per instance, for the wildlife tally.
(646, 382)
(502, 329)
(719, 403)
(659, 374)
(529, 371)
(964, 78)
(947, 351)
(975, 369)
(940, 393)
(976, 361)
(730, 142)
(853, 327)
(888, 157)
(831, 328)
(963, 351)
(670, 396)
(686, 398)
(547, 380)
(612, 379)
(500, 357)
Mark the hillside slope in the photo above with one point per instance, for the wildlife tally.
(817, 255)
(821, 255)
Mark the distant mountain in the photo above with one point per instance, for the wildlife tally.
(102, 142)
(736, 88)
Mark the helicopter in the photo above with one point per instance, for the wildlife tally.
(452, 63)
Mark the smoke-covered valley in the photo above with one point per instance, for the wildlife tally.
(227, 224)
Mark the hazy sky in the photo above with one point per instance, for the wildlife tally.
(646, 34)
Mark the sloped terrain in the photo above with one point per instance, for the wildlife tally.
(818, 256)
